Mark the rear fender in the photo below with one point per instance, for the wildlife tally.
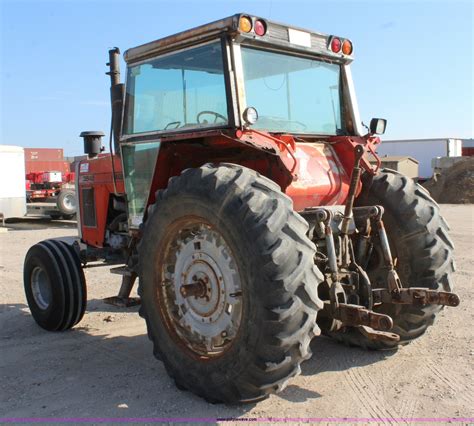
(174, 157)
(311, 173)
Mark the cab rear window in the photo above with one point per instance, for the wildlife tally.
(176, 91)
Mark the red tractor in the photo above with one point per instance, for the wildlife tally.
(242, 196)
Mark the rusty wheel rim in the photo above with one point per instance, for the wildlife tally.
(201, 289)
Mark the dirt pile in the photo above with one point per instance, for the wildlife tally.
(455, 185)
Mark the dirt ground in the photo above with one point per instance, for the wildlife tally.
(105, 368)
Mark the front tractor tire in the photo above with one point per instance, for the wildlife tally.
(421, 247)
(55, 286)
(228, 284)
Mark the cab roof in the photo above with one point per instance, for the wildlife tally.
(278, 35)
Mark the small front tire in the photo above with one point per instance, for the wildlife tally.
(54, 284)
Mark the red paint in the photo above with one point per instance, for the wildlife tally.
(320, 178)
(38, 188)
(38, 177)
(320, 170)
(99, 176)
(468, 151)
(312, 173)
(49, 166)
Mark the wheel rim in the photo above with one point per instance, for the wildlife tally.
(41, 288)
(201, 290)
(69, 202)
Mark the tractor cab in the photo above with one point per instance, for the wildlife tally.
(273, 92)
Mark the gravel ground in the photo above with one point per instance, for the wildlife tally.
(105, 368)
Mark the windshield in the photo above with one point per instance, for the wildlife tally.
(292, 94)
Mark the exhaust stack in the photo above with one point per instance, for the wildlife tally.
(117, 91)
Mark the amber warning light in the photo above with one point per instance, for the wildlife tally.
(248, 24)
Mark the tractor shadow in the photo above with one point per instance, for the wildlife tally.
(329, 355)
(98, 305)
(35, 223)
(107, 369)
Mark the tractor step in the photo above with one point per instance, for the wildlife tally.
(123, 299)
(122, 302)
(122, 270)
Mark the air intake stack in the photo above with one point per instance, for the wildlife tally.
(117, 91)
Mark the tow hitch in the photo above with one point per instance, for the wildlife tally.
(347, 292)
(415, 296)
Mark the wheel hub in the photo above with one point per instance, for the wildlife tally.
(40, 288)
(69, 202)
(203, 296)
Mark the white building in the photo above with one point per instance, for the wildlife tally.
(422, 150)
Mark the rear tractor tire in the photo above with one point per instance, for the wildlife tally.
(422, 248)
(55, 286)
(228, 284)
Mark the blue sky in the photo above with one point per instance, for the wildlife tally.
(413, 66)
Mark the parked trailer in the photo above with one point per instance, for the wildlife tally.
(423, 150)
(12, 181)
(49, 183)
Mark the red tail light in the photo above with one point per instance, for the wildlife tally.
(260, 27)
(336, 44)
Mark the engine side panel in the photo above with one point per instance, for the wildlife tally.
(95, 188)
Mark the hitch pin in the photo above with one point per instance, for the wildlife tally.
(393, 280)
(336, 294)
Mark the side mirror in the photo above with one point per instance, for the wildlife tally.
(377, 126)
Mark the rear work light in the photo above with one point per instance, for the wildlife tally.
(347, 47)
(336, 44)
(260, 27)
(245, 24)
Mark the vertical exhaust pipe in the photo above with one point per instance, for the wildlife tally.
(117, 92)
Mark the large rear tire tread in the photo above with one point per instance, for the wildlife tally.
(415, 228)
(287, 293)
